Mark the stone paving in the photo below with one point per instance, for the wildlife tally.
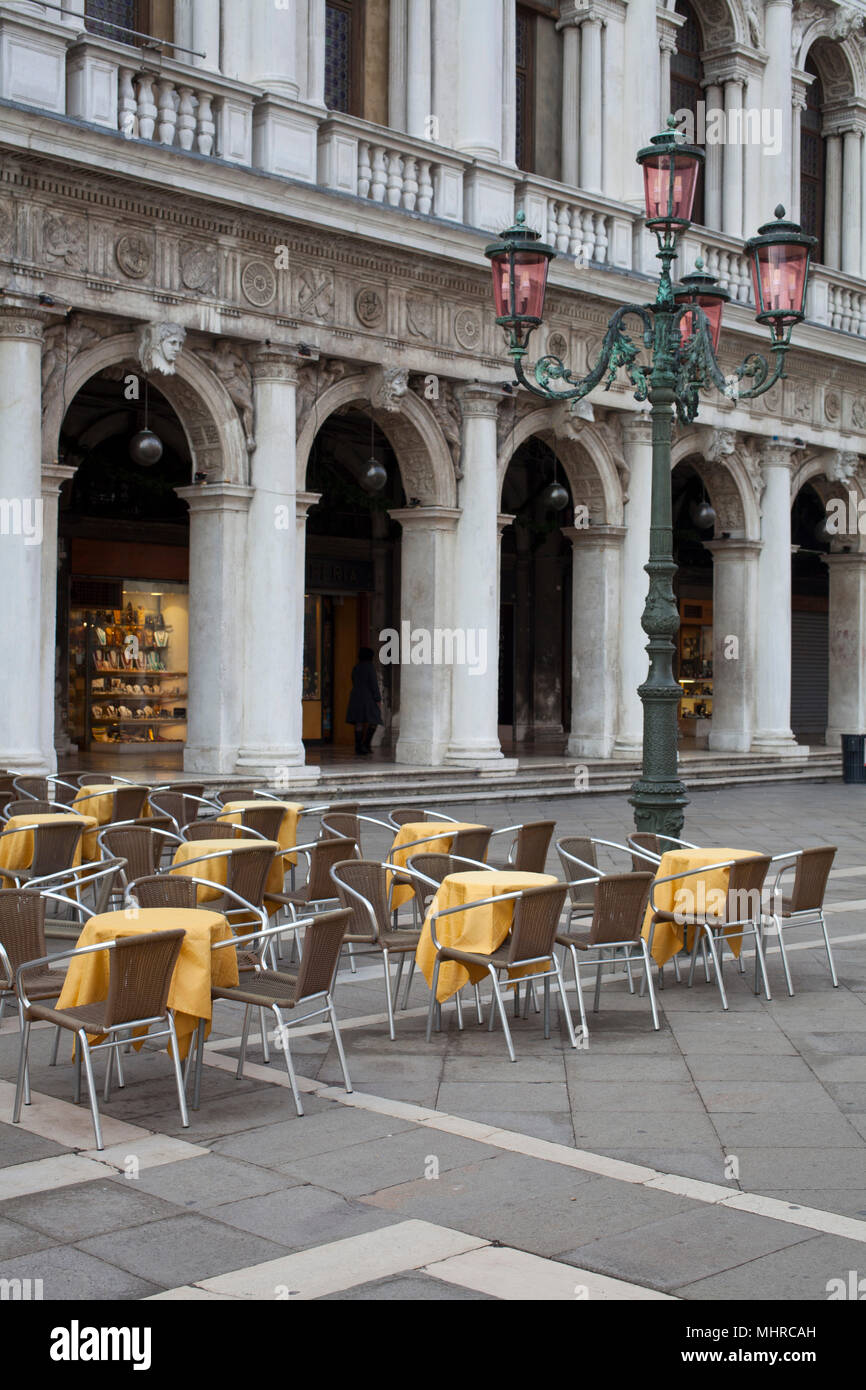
(722, 1157)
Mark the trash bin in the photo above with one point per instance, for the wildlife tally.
(854, 757)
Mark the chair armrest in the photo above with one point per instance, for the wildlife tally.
(50, 960)
(793, 854)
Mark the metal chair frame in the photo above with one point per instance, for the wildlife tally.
(424, 812)
(579, 953)
(795, 919)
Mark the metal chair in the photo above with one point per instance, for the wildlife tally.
(649, 848)
(162, 890)
(180, 808)
(139, 980)
(51, 789)
(233, 794)
(806, 900)
(283, 991)
(618, 911)
(347, 825)
(265, 820)
(68, 886)
(530, 942)
(54, 849)
(217, 830)
(362, 886)
(428, 872)
(318, 890)
(406, 815)
(745, 884)
(30, 806)
(529, 844)
(141, 846)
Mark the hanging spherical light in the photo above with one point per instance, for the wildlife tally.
(555, 497)
(145, 448)
(374, 476)
(703, 515)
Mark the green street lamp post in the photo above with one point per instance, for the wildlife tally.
(680, 333)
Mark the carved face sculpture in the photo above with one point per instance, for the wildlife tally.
(171, 346)
(160, 345)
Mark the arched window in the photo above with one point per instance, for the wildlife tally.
(686, 74)
(344, 49)
(812, 161)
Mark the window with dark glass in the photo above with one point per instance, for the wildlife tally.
(343, 56)
(686, 90)
(115, 19)
(525, 93)
(812, 162)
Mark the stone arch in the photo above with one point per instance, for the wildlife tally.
(839, 61)
(422, 453)
(722, 21)
(728, 485)
(814, 471)
(206, 412)
(589, 460)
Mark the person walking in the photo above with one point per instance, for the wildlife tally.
(365, 702)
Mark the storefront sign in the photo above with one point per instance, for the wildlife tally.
(332, 576)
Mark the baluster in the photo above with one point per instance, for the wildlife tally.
(588, 236)
(563, 227)
(425, 186)
(410, 183)
(185, 118)
(395, 179)
(833, 305)
(549, 232)
(146, 106)
(206, 125)
(379, 178)
(167, 112)
(711, 260)
(126, 103)
(365, 172)
(601, 238)
(575, 240)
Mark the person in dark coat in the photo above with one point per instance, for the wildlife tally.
(365, 702)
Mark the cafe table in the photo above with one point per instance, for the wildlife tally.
(287, 834)
(482, 929)
(442, 833)
(98, 800)
(217, 869)
(696, 894)
(17, 851)
(197, 971)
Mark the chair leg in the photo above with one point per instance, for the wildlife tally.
(560, 982)
(352, 966)
(266, 1052)
(335, 1029)
(598, 968)
(827, 947)
(290, 1068)
(547, 1006)
(432, 1005)
(648, 977)
(27, 1058)
(199, 1064)
(516, 992)
(55, 1047)
(22, 1070)
(459, 1004)
(78, 1076)
(579, 991)
(719, 981)
(478, 1009)
(178, 1075)
(91, 1086)
(400, 962)
(106, 1090)
(497, 999)
(387, 968)
(784, 954)
(408, 983)
(628, 972)
(759, 952)
(244, 1035)
(121, 1080)
(706, 961)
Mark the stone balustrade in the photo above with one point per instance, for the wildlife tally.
(588, 229)
(372, 162)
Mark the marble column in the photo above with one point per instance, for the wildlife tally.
(732, 169)
(735, 642)
(773, 660)
(756, 210)
(509, 84)
(570, 171)
(419, 69)
(426, 603)
(591, 129)
(777, 96)
(479, 79)
(851, 171)
(272, 686)
(667, 47)
(633, 663)
(23, 679)
(833, 202)
(475, 612)
(303, 502)
(316, 29)
(713, 174)
(197, 27)
(797, 109)
(273, 59)
(846, 713)
(217, 561)
(398, 22)
(595, 623)
(53, 477)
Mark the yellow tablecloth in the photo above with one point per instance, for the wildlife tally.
(420, 830)
(98, 800)
(216, 869)
(482, 930)
(17, 852)
(698, 894)
(197, 969)
(288, 831)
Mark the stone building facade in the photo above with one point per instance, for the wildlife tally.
(194, 211)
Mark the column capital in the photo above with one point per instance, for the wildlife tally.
(426, 518)
(277, 363)
(304, 501)
(731, 63)
(595, 537)
(478, 398)
(776, 453)
(735, 548)
(54, 475)
(857, 558)
(503, 519)
(636, 428)
(216, 497)
(21, 321)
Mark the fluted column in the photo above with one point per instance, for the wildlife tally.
(316, 52)
(419, 69)
(756, 210)
(633, 663)
(777, 96)
(217, 564)
(667, 47)
(735, 642)
(570, 102)
(595, 620)
(197, 27)
(851, 172)
(22, 677)
(474, 696)
(426, 604)
(479, 78)
(846, 712)
(272, 691)
(713, 167)
(833, 202)
(53, 477)
(273, 60)
(591, 134)
(732, 173)
(773, 660)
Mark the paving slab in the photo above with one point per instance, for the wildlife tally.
(634, 1097)
(86, 1209)
(210, 1180)
(302, 1216)
(335, 1127)
(181, 1249)
(763, 1168)
(17, 1145)
(767, 1097)
(752, 1130)
(463, 1097)
(19, 1239)
(419, 1288)
(69, 1274)
(413, 1154)
(801, 1272)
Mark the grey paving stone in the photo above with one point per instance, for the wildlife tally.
(761, 1168)
(766, 1097)
(182, 1249)
(634, 1097)
(90, 1208)
(362, 1168)
(785, 1131)
(711, 1066)
(556, 1128)
(848, 1096)
(463, 1097)
(845, 1201)
(69, 1274)
(706, 1164)
(266, 1105)
(833, 1044)
(17, 1239)
(334, 1128)
(655, 1130)
(302, 1216)
(690, 1246)
(801, 1272)
(596, 1066)
(17, 1146)
(415, 1287)
(205, 1181)
(493, 1069)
